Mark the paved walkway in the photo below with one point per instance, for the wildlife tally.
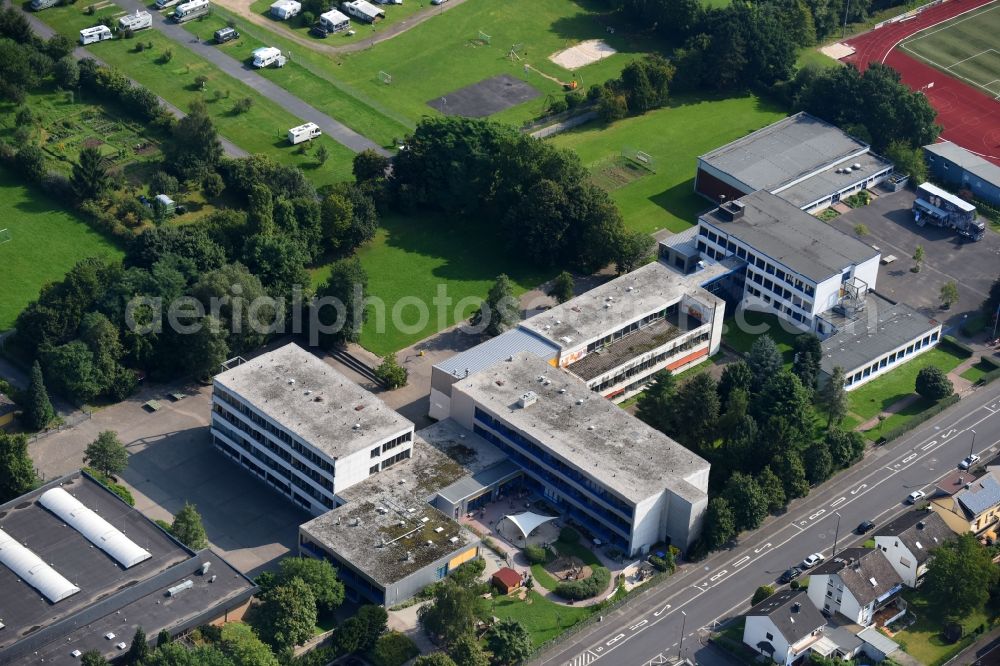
(45, 32)
(983, 652)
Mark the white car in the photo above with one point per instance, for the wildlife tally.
(812, 561)
(968, 462)
(916, 496)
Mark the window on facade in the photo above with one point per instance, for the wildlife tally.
(375, 452)
(731, 246)
(741, 253)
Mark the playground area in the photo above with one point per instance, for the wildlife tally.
(582, 54)
(946, 52)
(485, 98)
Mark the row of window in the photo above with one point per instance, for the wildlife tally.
(891, 358)
(279, 433)
(653, 361)
(629, 329)
(779, 290)
(753, 260)
(777, 305)
(391, 444)
(271, 480)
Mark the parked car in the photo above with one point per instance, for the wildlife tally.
(790, 575)
(812, 561)
(223, 35)
(916, 496)
(865, 527)
(969, 461)
(317, 30)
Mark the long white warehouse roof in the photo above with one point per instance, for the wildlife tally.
(32, 570)
(94, 528)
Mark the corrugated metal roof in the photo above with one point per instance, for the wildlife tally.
(969, 161)
(501, 347)
(471, 486)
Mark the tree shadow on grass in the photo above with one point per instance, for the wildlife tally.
(682, 201)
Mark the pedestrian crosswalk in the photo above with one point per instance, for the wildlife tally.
(583, 659)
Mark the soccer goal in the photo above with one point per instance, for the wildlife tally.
(5, 236)
(639, 158)
(484, 38)
(385, 77)
(515, 52)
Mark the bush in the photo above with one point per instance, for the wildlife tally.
(924, 416)
(658, 563)
(212, 184)
(933, 384)
(393, 649)
(569, 535)
(960, 348)
(558, 106)
(586, 588)
(535, 554)
(116, 488)
(163, 183)
(763, 592)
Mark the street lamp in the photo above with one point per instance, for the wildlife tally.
(836, 536)
(972, 446)
(996, 320)
(680, 647)
(846, 9)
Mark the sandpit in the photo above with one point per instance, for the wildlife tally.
(837, 51)
(582, 54)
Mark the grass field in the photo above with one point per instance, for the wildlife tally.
(46, 242)
(260, 130)
(675, 136)
(741, 335)
(965, 47)
(923, 638)
(411, 257)
(983, 367)
(393, 15)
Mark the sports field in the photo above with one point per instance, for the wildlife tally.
(967, 48)
(46, 242)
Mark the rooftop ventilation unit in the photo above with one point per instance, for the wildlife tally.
(454, 539)
(291, 380)
(527, 399)
(110, 635)
(177, 589)
(76, 654)
(430, 543)
(438, 529)
(424, 519)
(579, 401)
(205, 567)
(856, 165)
(731, 210)
(382, 510)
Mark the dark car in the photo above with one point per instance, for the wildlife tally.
(866, 527)
(790, 575)
(319, 31)
(223, 35)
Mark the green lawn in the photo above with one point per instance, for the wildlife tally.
(261, 130)
(393, 15)
(411, 257)
(310, 76)
(976, 372)
(46, 242)
(741, 335)
(675, 136)
(879, 394)
(543, 619)
(922, 640)
(811, 57)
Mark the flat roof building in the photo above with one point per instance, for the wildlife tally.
(806, 161)
(956, 166)
(303, 428)
(629, 484)
(118, 580)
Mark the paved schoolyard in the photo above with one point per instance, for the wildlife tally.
(949, 257)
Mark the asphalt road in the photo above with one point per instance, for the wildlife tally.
(649, 628)
(244, 73)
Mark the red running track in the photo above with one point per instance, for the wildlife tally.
(970, 118)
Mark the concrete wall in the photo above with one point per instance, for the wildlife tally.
(648, 524)
(354, 468)
(406, 588)
(713, 184)
(685, 516)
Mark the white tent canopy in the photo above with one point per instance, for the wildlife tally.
(528, 522)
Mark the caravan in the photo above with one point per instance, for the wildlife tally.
(98, 33)
(306, 132)
(191, 10)
(334, 21)
(39, 5)
(285, 9)
(363, 10)
(138, 21)
(163, 4)
(266, 56)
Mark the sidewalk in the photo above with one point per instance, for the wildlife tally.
(984, 652)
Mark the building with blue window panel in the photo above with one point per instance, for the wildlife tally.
(627, 484)
(957, 167)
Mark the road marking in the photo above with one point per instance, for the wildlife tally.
(615, 640)
(583, 659)
(928, 445)
(764, 547)
(719, 575)
(909, 458)
(859, 489)
(948, 434)
(837, 501)
(660, 612)
(637, 625)
(817, 514)
(743, 560)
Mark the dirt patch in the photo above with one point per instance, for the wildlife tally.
(582, 54)
(92, 143)
(485, 98)
(568, 569)
(615, 172)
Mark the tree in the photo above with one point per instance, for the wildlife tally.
(390, 373)
(784, 405)
(451, 615)
(818, 462)
(861, 230)
(38, 412)
(764, 360)
(346, 286)
(773, 489)
(107, 454)
(833, 398)
(845, 448)
(747, 501)
(241, 644)
(202, 352)
(720, 525)
(348, 637)
(918, 258)
(631, 251)
(949, 295)
(959, 577)
(562, 287)
(17, 472)
(393, 649)
(466, 651)
(656, 405)
(734, 376)
(908, 160)
(992, 302)
(762, 592)
(696, 412)
(163, 638)
(792, 474)
(138, 652)
(373, 621)
(933, 384)
(194, 147)
(500, 311)
(322, 154)
(434, 659)
(90, 174)
(67, 72)
(188, 529)
(319, 575)
(808, 355)
(509, 642)
(260, 211)
(30, 161)
(286, 615)
(93, 658)
(212, 185)
(369, 165)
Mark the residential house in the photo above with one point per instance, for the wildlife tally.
(970, 504)
(857, 583)
(784, 627)
(908, 543)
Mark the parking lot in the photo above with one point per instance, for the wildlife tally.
(948, 257)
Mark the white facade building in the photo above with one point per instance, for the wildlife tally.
(303, 428)
(856, 583)
(908, 543)
(783, 627)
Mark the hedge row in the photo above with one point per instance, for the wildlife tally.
(960, 348)
(116, 488)
(586, 588)
(990, 376)
(920, 418)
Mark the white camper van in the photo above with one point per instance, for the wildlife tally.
(98, 33)
(334, 21)
(191, 10)
(285, 9)
(138, 21)
(306, 132)
(268, 56)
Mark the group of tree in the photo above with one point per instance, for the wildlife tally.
(960, 579)
(537, 198)
(17, 471)
(756, 426)
(642, 86)
(233, 644)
